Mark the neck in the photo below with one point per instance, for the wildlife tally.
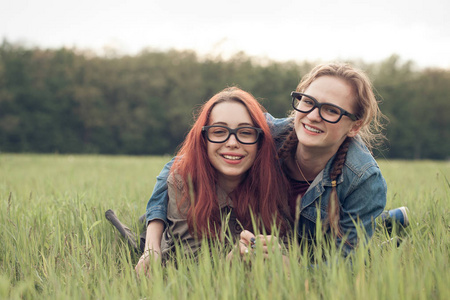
(302, 170)
(229, 184)
(311, 162)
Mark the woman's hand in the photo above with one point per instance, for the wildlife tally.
(144, 263)
(246, 240)
(248, 243)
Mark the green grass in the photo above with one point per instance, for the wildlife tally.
(57, 244)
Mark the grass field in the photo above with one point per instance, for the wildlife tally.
(57, 244)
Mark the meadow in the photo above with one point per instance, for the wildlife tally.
(57, 244)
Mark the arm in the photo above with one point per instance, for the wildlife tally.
(155, 227)
(157, 204)
(152, 248)
(363, 204)
(156, 216)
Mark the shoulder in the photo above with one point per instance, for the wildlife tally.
(278, 125)
(175, 179)
(175, 185)
(359, 160)
(361, 173)
(279, 128)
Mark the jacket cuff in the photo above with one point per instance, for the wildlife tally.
(157, 213)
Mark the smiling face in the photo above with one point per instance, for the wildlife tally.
(314, 133)
(231, 159)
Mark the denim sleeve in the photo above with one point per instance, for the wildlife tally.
(362, 206)
(157, 204)
(278, 125)
(279, 128)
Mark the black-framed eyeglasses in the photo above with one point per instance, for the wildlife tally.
(219, 134)
(328, 112)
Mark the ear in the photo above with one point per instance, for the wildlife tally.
(354, 130)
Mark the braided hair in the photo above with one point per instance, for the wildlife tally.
(289, 146)
(332, 221)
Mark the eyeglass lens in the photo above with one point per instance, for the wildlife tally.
(328, 112)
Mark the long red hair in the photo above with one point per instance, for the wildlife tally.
(263, 189)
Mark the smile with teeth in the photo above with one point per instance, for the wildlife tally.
(312, 129)
(232, 157)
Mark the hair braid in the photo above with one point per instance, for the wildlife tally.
(289, 146)
(333, 202)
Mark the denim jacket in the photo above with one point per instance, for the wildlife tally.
(361, 190)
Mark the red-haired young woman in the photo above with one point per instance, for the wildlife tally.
(225, 167)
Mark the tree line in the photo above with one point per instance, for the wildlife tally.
(73, 101)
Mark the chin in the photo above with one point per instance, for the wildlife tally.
(233, 174)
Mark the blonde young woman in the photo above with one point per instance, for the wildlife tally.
(326, 157)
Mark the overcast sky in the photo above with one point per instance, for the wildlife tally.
(323, 30)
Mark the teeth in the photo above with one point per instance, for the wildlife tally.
(312, 129)
(232, 157)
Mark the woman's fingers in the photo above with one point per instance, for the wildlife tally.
(143, 265)
(267, 239)
(246, 240)
(249, 242)
(243, 247)
(246, 237)
(268, 243)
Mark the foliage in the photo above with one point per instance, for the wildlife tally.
(67, 101)
(57, 244)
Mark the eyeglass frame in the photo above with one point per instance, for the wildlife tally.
(319, 105)
(234, 131)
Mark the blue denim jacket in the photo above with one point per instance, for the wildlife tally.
(361, 190)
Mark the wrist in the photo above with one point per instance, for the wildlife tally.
(151, 251)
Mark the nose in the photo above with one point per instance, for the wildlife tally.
(232, 142)
(314, 115)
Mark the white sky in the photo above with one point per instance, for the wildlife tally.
(417, 30)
